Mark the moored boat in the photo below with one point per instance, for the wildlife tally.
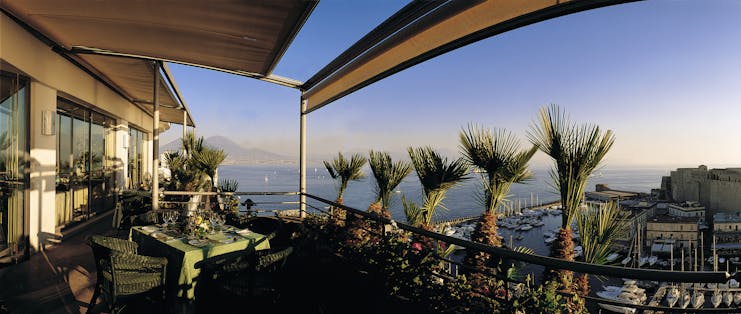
(672, 296)
(728, 298)
(698, 299)
(716, 298)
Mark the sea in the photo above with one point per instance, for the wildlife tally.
(460, 201)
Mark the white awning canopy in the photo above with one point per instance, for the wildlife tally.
(117, 39)
(432, 30)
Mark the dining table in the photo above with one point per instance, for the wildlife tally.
(183, 252)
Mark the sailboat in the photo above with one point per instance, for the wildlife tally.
(716, 299)
(728, 298)
(672, 296)
(698, 299)
(684, 299)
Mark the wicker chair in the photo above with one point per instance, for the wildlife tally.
(249, 280)
(122, 272)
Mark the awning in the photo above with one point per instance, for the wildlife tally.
(242, 37)
(134, 79)
(445, 27)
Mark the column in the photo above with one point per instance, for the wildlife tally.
(43, 162)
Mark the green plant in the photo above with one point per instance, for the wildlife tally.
(497, 156)
(437, 175)
(576, 151)
(600, 226)
(343, 171)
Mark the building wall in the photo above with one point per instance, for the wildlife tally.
(683, 232)
(53, 76)
(719, 190)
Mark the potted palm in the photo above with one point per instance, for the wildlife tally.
(437, 175)
(500, 162)
(344, 170)
(576, 151)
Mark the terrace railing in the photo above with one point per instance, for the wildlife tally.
(287, 204)
(554, 263)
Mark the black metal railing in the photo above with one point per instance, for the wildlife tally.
(555, 263)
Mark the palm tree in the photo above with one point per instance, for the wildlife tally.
(576, 151)
(437, 176)
(500, 161)
(388, 176)
(600, 226)
(344, 171)
(208, 160)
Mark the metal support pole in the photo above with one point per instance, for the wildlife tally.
(185, 127)
(302, 160)
(155, 138)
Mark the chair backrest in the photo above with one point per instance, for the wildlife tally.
(274, 260)
(103, 247)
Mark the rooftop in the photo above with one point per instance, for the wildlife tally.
(727, 217)
(673, 219)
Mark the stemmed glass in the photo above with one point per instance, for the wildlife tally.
(214, 218)
(166, 217)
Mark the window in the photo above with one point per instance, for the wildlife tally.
(136, 157)
(13, 149)
(84, 162)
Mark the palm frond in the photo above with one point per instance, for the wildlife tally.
(437, 175)
(388, 175)
(228, 185)
(600, 226)
(412, 212)
(497, 154)
(345, 170)
(577, 150)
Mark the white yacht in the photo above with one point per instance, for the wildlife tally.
(652, 260)
(728, 298)
(672, 296)
(684, 299)
(698, 299)
(716, 298)
(616, 296)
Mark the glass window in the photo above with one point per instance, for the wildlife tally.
(136, 158)
(13, 159)
(84, 178)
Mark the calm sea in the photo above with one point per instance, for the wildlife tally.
(461, 201)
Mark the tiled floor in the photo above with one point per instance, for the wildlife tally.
(59, 280)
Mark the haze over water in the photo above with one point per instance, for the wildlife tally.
(461, 200)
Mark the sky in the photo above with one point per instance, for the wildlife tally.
(665, 76)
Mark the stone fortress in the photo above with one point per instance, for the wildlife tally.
(719, 190)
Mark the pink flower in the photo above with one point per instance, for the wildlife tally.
(417, 246)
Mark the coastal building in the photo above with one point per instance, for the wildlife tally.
(74, 130)
(727, 232)
(682, 230)
(686, 209)
(719, 190)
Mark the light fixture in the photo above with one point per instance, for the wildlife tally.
(48, 122)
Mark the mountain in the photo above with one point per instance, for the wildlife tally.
(237, 154)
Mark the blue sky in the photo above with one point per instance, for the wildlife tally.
(664, 75)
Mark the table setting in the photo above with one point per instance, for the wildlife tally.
(187, 239)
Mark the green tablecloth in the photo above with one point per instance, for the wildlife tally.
(181, 256)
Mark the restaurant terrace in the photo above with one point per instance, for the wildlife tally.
(86, 90)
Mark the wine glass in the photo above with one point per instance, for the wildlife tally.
(166, 217)
(174, 216)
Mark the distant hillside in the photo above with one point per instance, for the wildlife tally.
(237, 154)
